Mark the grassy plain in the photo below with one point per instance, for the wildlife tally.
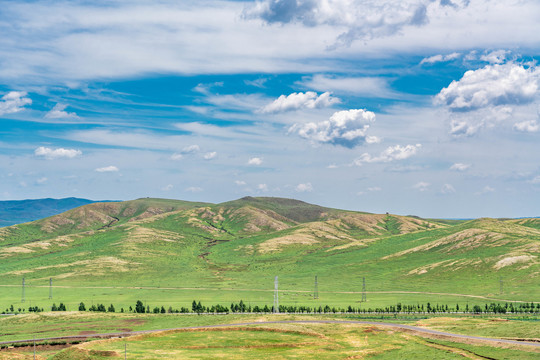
(276, 341)
(169, 253)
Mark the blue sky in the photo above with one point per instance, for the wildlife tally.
(424, 107)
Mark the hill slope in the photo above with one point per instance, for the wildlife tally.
(244, 243)
(20, 211)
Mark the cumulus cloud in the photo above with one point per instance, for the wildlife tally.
(240, 182)
(307, 187)
(58, 153)
(58, 112)
(262, 187)
(495, 57)
(176, 156)
(110, 168)
(492, 85)
(347, 128)
(210, 155)
(460, 167)
(255, 161)
(421, 186)
(297, 101)
(14, 101)
(392, 153)
(440, 58)
(41, 181)
(362, 19)
(527, 126)
(194, 189)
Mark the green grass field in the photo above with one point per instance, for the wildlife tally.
(169, 253)
(276, 341)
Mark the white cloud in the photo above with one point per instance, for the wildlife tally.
(392, 153)
(448, 189)
(58, 153)
(255, 161)
(361, 19)
(375, 188)
(168, 187)
(535, 180)
(460, 167)
(14, 101)
(297, 101)
(492, 85)
(440, 58)
(527, 126)
(210, 155)
(110, 168)
(194, 189)
(240, 182)
(262, 187)
(495, 57)
(41, 181)
(347, 128)
(176, 157)
(307, 187)
(58, 112)
(421, 186)
(191, 149)
(487, 189)
(357, 86)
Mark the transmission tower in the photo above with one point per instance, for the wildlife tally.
(50, 288)
(276, 295)
(22, 299)
(316, 292)
(364, 298)
(500, 285)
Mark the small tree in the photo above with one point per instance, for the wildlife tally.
(139, 307)
(111, 308)
(82, 307)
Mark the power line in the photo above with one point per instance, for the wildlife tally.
(364, 298)
(316, 292)
(276, 295)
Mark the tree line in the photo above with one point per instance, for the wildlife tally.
(241, 307)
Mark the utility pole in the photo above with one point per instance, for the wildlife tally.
(50, 288)
(316, 292)
(22, 299)
(364, 298)
(500, 285)
(276, 295)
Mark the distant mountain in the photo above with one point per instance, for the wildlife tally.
(20, 211)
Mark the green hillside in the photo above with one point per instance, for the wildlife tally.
(171, 251)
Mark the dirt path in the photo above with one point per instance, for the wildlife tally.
(400, 327)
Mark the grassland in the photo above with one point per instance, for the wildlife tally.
(276, 341)
(169, 252)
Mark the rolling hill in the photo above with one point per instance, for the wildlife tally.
(241, 245)
(20, 211)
